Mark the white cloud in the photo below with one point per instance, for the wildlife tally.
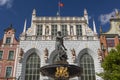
(7, 3)
(104, 18)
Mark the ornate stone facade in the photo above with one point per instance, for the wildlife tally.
(81, 42)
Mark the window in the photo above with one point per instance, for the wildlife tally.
(64, 30)
(8, 71)
(110, 43)
(11, 55)
(32, 67)
(8, 40)
(79, 30)
(87, 63)
(39, 30)
(54, 30)
(1, 54)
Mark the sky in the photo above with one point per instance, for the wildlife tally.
(16, 11)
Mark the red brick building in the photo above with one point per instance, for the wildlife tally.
(8, 54)
(111, 39)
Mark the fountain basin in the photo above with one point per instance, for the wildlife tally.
(61, 71)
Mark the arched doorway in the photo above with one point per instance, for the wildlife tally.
(32, 71)
(87, 64)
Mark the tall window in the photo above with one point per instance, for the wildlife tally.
(8, 40)
(1, 54)
(11, 55)
(79, 30)
(32, 67)
(87, 63)
(110, 43)
(8, 71)
(64, 30)
(39, 30)
(54, 30)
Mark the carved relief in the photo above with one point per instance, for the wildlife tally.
(100, 55)
(30, 31)
(73, 54)
(21, 54)
(46, 54)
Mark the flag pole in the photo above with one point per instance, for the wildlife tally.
(59, 8)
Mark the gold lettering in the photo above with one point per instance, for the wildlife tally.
(62, 72)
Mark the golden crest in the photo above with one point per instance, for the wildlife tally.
(62, 72)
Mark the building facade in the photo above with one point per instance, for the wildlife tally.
(8, 54)
(37, 45)
(111, 38)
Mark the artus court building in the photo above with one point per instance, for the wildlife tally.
(37, 44)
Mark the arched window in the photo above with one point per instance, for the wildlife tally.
(32, 67)
(87, 63)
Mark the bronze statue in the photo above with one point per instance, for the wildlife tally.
(59, 42)
(60, 48)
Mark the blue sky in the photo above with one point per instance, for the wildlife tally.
(16, 11)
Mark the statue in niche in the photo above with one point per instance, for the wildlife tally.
(46, 54)
(47, 30)
(60, 48)
(21, 54)
(73, 54)
(100, 55)
(71, 31)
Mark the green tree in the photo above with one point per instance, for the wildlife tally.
(111, 65)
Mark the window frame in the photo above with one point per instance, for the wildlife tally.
(39, 30)
(8, 40)
(30, 68)
(54, 29)
(79, 30)
(87, 62)
(110, 42)
(64, 30)
(10, 73)
(9, 55)
(2, 54)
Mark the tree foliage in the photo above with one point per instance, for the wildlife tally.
(111, 65)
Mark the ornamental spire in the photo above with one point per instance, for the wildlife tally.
(94, 27)
(86, 16)
(24, 30)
